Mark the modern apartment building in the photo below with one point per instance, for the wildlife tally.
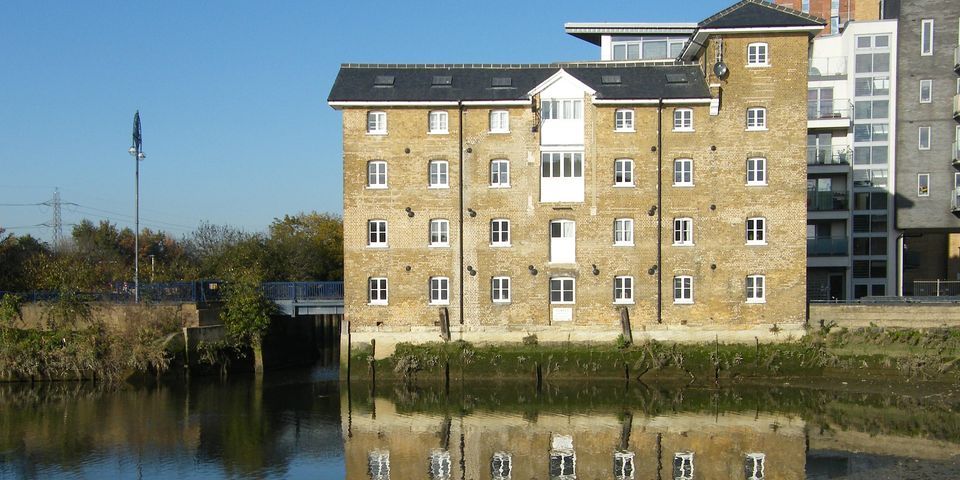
(837, 12)
(661, 191)
(928, 132)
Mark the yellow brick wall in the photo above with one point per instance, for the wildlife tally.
(719, 232)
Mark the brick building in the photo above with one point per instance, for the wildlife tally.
(562, 199)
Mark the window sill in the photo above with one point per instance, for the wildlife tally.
(764, 184)
(501, 302)
(500, 245)
(378, 246)
(438, 187)
(376, 187)
(439, 304)
(562, 303)
(756, 129)
(683, 302)
(377, 133)
(623, 185)
(753, 244)
(439, 132)
(439, 245)
(683, 245)
(757, 65)
(756, 301)
(499, 131)
(376, 304)
(683, 130)
(683, 185)
(623, 302)
(625, 130)
(623, 244)
(500, 186)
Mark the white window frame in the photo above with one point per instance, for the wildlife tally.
(756, 286)
(376, 122)
(756, 119)
(499, 121)
(920, 134)
(758, 55)
(439, 291)
(500, 173)
(379, 228)
(623, 232)
(623, 120)
(928, 84)
(759, 466)
(685, 458)
(926, 42)
(499, 232)
(501, 466)
(378, 292)
(684, 172)
(561, 109)
(627, 468)
(439, 235)
(683, 290)
(756, 230)
(500, 289)
(683, 120)
(923, 184)
(623, 290)
(437, 122)
(561, 283)
(756, 171)
(623, 172)
(683, 232)
(440, 178)
(373, 178)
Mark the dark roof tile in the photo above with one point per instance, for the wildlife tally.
(758, 13)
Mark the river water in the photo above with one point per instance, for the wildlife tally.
(303, 424)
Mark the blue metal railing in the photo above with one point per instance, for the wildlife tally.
(202, 291)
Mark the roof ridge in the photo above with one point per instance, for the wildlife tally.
(517, 66)
(762, 3)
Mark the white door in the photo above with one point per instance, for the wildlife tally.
(563, 241)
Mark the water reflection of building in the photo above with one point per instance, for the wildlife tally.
(392, 445)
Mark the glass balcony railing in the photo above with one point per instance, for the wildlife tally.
(827, 247)
(956, 153)
(956, 59)
(956, 106)
(955, 200)
(827, 67)
(827, 201)
(829, 155)
(836, 109)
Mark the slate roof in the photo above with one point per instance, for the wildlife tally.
(358, 82)
(758, 13)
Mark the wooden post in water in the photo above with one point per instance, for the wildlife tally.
(625, 324)
(344, 351)
(445, 324)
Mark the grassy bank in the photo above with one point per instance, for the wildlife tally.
(930, 354)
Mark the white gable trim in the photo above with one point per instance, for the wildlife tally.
(557, 76)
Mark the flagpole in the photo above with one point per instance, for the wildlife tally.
(138, 155)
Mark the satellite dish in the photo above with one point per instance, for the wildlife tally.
(720, 69)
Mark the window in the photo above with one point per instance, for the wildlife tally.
(499, 121)
(377, 174)
(561, 290)
(683, 466)
(805, 6)
(757, 118)
(500, 289)
(501, 467)
(926, 37)
(683, 172)
(377, 230)
(647, 48)
(872, 62)
(623, 290)
(439, 233)
(500, 233)
(623, 232)
(561, 164)
(561, 109)
(682, 231)
(438, 122)
(439, 464)
(753, 466)
(377, 123)
(623, 172)
(757, 55)
(926, 91)
(924, 138)
(756, 171)
(500, 173)
(756, 231)
(683, 289)
(623, 465)
(439, 291)
(683, 120)
(623, 120)
(439, 177)
(756, 285)
(923, 184)
(864, 110)
(563, 241)
(377, 291)
(378, 462)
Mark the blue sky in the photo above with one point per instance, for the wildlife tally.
(232, 95)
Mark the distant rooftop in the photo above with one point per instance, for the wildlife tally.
(591, 32)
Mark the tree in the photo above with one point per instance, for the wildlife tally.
(307, 246)
(246, 311)
(16, 255)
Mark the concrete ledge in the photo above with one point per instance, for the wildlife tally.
(886, 315)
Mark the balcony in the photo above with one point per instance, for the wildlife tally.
(827, 247)
(956, 107)
(827, 201)
(955, 201)
(829, 155)
(827, 67)
(956, 154)
(956, 59)
(834, 113)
